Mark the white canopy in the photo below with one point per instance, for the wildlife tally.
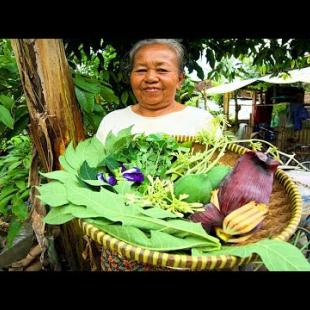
(302, 75)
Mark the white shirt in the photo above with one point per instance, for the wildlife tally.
(188, 121)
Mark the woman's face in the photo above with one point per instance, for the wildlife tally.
(155, 76)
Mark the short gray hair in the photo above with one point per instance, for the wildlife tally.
(172, 43)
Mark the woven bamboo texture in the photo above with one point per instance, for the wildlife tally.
(280, 223)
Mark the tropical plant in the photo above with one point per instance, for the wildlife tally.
(14, 189)
(13, 110)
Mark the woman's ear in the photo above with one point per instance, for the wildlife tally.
(181, 80)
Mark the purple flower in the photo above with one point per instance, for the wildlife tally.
(110, 179)
(133, 175)
(123, 168)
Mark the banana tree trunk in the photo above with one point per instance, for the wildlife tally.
(55, 120)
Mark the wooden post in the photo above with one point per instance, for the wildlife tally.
(236, 108)
(226, 105)
(55, 120)
(253, 108)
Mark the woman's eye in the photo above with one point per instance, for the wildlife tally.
(162, 70)
(141, 70)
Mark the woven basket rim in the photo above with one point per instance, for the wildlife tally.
(190, 262)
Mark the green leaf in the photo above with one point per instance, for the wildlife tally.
(112, 207)
(114, 143)
(20, 210)
(59, 175)
(123, 187)
(57, 216)
(65, 165)
(276, 255)
(6, 118)
(63, 214)
(14, 229)
(88, 84)
(157, 241)
(108, 94)
(53, 194)
(7, 101)
(21, 184)
(4, 202)
(85, 99)
(7, 191)
(124, 97)
(87, 173)
(159, 213)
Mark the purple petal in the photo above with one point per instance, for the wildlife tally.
(133, 177)
(123, 168)
(133, 170)
(111, 180)
(100, 177)
(209, 218)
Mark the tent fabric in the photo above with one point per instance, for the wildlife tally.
(298, 75)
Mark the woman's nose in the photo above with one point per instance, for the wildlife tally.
(151, 76)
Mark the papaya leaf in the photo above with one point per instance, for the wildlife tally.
(124, 187)
(53, 194)
(276, 255)
(95, 182)
(66, 213)
(57, 216)
(59, 175)
(114, 143)
(112, 207)
(157, 241)
(65, 165)
(71, 157)
(87, 173)
(158, 213)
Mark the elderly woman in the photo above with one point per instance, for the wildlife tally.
(156, 72)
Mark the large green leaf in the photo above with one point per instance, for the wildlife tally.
(157, 241)
(114, 143)
(59, 175)
(6, 117)
(88, 173)
(112, 207)
(66, 166)
(90, 150)
(53, 194)
(63, 214)
(276, 255)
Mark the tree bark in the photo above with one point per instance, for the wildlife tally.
(55, 120)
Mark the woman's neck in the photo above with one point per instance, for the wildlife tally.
(143, 111)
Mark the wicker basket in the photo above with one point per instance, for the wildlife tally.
(280, 223)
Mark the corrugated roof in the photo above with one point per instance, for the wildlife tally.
(298, 75)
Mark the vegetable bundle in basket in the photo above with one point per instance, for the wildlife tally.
(157, 194)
